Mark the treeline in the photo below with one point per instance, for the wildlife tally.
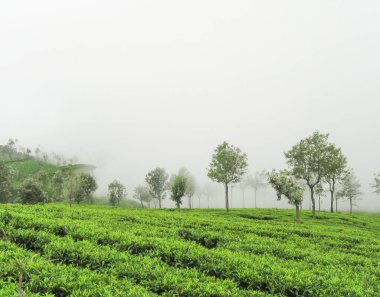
(28, 176)
(315, 165)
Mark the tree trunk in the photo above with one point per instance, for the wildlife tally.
(255, 198)
(226, 196)
(312, 201)
(189, 198)
(319, 202)
(297, 213)
(332, 201)
(159, 202)
(350, 205)
(142, 205)
(336, 204)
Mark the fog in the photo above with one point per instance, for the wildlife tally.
(131, 85)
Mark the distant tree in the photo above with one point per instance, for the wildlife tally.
(228, 165)
(31, 192)
(58, 182)
(376, 184)
(350, 189)
(287, 185)
(178, 190)
(207, 190)
(335, 170)
(157, 180)
(116, 192)
(307, 160)
(143, 194)
(190, 184)
(257, 182)
(85, 185)
(320, 192)
(243, 185)
(6, 174)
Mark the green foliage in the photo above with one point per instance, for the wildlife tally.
(350, 189)
(286, 185)
(228, 165)
(376, 183)
(116, 192)
(84, 186)
(314, 159)
(178, 189)
(6, 174)
(31, 191)
(143, 194)
(157, 180)
(148, 252)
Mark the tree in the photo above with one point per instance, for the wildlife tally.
(143, 194)
(350, 189)
(116, 192)
(228, 165)
(178, 189)
(376, 183)
(287, 185)
(320, 192)
(258, 182)
(190, 184)
(207, 190)
(6, 174)
(84, 186)
(335, 170)
(307, 160)
(31, 192)
(157, 180)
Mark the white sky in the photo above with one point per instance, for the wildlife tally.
(131, 85)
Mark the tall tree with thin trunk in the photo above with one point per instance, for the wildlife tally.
(287, 185)
(228, 165)
(307, 160)
(116, 192)
(335, 170)
(257, 182)
(350, 189)
(157, 180)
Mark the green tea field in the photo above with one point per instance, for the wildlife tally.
(55, 250)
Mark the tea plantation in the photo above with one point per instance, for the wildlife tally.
(55, 250)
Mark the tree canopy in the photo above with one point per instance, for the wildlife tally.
(228, 165)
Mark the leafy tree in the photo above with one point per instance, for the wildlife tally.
(287, 185)
(307, 160)
(350, 189)
(143, 194)
(6, 174)
(335, 170)
(157, 180)
(258, 182)
(228, 165)
(376, 183)
(178, 189)
(31, 192)
(190, 184)
(116, 192)
(84, 186)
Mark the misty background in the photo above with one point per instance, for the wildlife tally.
(131, 85)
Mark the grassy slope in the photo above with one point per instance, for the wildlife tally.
(252, 252)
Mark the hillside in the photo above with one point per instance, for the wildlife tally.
(106, 251)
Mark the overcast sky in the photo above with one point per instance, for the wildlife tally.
(131, 85)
